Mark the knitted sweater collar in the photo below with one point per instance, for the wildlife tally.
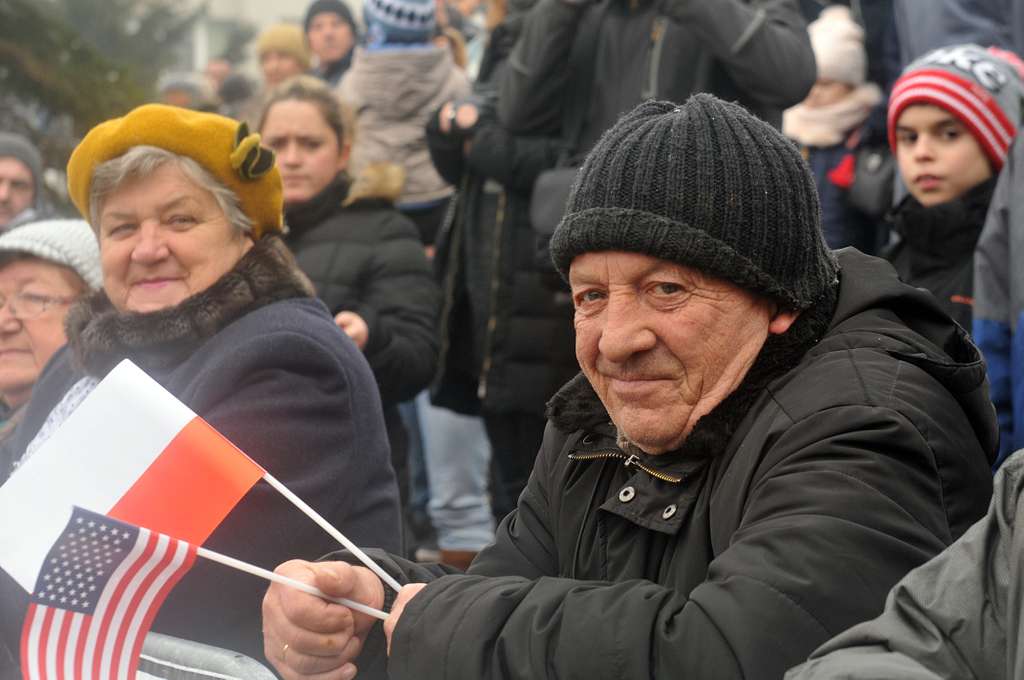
(100, 336)
(577, 407)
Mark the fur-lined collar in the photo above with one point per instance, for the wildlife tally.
(577, 407)
(100, 336)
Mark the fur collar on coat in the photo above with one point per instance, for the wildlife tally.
(100, 336)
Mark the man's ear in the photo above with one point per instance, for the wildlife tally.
(782, 320)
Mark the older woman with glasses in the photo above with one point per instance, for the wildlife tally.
(44, 267)
(200, 292)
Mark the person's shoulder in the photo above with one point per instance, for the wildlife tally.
(287, 325)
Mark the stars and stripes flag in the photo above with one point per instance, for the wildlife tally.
(96, 595)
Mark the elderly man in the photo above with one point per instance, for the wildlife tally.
(764, 438)
(21, 172)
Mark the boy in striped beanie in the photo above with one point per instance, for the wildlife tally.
(952, 117)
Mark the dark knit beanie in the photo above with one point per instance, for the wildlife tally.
(13, 145)
(707, 185)
(332, 6)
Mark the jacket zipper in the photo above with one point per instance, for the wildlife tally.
(492, 316)
(650, 90)
(627, 462)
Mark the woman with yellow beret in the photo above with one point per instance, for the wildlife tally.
(199, 291)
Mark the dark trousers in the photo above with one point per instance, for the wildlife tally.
(515, 439)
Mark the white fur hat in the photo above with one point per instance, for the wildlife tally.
(838, 43)
(69, 243)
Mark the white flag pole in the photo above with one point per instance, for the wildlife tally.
(277, 578)
(337, 535)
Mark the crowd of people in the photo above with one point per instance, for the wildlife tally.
(633, 339)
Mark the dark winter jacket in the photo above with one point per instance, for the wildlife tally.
(936, 245)
(756, 52)
(363, 256)
(789, 512)
(264, 364)
(506, 326)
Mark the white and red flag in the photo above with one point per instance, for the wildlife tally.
(95, 597)
(133, 452)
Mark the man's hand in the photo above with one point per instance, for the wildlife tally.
(354, 327)
(306, 637)
(404, 595)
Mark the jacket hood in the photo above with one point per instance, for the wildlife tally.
(404, 82)
(876, 309)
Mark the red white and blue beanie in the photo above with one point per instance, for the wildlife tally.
(978, 86)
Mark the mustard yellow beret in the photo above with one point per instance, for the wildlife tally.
(222, 146)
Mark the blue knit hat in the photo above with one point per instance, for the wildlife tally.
(399, 22)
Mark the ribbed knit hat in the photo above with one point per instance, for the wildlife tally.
(285, 38)
(399, 22)
(838, 43)
(981, 89)
(13, 145)
(69, 243)
(709, 186)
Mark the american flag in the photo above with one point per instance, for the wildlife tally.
(95, 599)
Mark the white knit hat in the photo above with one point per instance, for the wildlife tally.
(70, 243)
(838, 43)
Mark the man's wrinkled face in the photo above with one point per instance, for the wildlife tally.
(663, 344)
(17, 189)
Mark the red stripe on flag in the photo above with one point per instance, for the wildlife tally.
(191, 486)
(112, 602)
(83, 639)
(44, 638)
(158, 601)
(62, 642)
(26, 630)
(136, 602)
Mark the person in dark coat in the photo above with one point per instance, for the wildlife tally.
(586, 64)
(506, 335)
(764, 438)
(364, 258)
(201, 293)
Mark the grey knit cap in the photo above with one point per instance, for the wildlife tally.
(707, 185)
(13, 145)
(70, 243)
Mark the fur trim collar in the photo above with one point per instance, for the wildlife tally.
(577, 407)
(100, 336)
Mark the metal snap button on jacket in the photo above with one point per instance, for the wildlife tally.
(668, 512)
(627, 494)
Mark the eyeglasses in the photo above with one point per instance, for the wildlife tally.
(23, 305)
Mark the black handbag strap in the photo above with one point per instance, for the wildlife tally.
(582, 65)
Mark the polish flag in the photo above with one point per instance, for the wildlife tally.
(130, 451)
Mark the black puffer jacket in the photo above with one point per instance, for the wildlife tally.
(791, 510)
(365, 257)
(935, 250)
(506, 324)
